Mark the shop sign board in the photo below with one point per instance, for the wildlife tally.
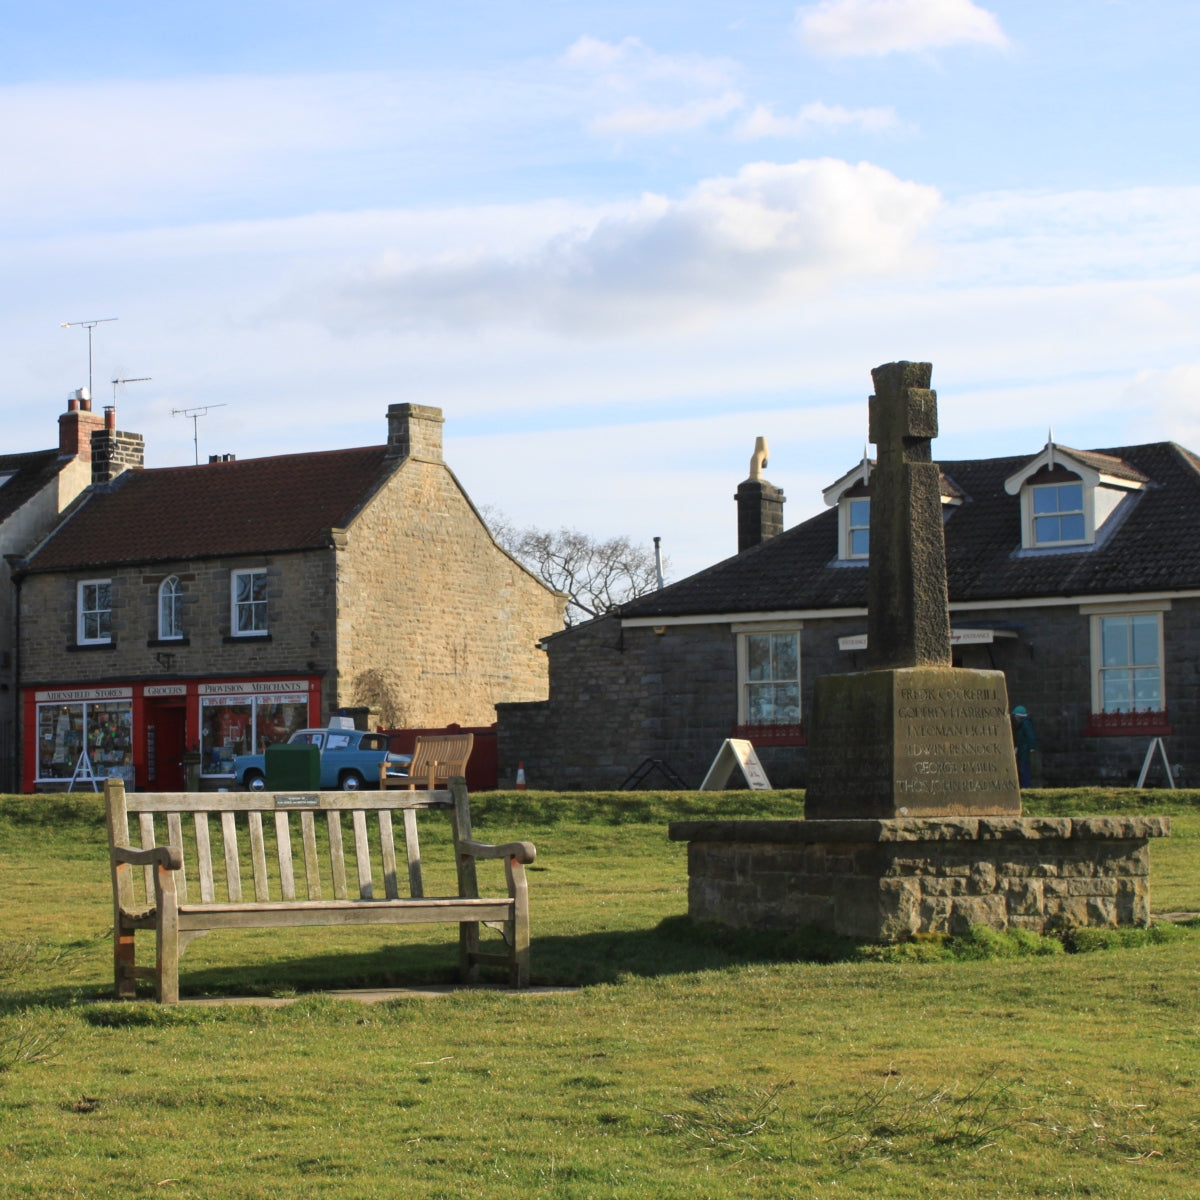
(75, 695)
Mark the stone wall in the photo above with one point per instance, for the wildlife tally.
(436, 623)
(888, 879)
(300, 596)
(620, 696)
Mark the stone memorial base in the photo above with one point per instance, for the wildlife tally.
(911, 741)
(884, 880)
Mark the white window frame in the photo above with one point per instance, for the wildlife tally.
(235, 605)
(170, 590)
(847, 529)
(1098, 668)
(81, 613)
(1086, 510)
(743, 667)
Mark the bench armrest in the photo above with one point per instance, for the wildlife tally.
(523, 852)
(166, 856)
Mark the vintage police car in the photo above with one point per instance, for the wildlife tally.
(350, 759)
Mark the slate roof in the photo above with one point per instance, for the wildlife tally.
(1152, 543)
(251, 506)
(32, 471)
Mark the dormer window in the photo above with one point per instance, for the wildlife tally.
(1057, 514)
(1067, 496)
(856, 514)
(852, 496)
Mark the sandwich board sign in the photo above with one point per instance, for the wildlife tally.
(735, 754)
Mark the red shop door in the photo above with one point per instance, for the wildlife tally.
(165, 740)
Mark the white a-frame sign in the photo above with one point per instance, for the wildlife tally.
(736, 753)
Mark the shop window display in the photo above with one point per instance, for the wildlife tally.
(246, 725)
(104, 727)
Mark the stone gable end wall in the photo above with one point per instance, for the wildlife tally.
(436, 623)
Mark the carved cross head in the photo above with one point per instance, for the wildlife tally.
(903, 411)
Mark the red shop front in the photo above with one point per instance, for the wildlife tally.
(140, 732)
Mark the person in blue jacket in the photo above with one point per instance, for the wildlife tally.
(1025, 739)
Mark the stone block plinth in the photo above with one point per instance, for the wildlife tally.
(911, 742)
(887, 879)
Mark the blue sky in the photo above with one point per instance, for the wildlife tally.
(614, 242)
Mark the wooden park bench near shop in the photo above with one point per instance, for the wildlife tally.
(436, 759)
(266, 860)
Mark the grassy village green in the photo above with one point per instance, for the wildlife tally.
(689, 1062)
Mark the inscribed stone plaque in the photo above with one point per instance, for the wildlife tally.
(914, 741)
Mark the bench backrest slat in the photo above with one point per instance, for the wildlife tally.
(416, 886)
(362, 856)
(204, 858)
(287, 877)
(387, 847)
(146, 824)
(258, 859)
(233, 866)
(312, 873)
(175, 838)
(337, 857)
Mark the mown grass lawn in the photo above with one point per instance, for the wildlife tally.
(684, 1066)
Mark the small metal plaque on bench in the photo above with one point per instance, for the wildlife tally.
(297, 800)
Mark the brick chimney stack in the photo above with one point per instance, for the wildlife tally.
(113, 450)
(759, 503)
(76, 426)
(415, 431)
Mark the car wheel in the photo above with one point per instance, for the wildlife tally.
(351, 781)
(253, 781)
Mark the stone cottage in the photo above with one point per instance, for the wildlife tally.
(215, 609)
(1075, 572)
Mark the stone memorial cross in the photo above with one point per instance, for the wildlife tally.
(908, 623)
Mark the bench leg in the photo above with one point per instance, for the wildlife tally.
(166, 927)
(519, 972)
(124, 980)
(468, 949)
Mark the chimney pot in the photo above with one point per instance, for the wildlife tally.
(110, 416)
(759, 504)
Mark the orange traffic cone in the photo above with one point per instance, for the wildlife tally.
(520, 777)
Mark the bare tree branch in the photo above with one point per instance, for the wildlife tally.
(597, 575)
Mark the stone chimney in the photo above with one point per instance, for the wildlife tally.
(415, 431)
(113, 450)
(759, 503)
(76, 426)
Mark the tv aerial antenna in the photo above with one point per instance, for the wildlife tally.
(195, 414)
(139, 379)
(89, 326)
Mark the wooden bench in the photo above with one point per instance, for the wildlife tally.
(436, 759)
(274, 860)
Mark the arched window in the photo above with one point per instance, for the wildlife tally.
(170, 608)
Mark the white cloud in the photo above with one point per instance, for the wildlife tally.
(877, 27)
(648, 119)
(654, 93)
(816, 117)
(771, 230)
(631, 63)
